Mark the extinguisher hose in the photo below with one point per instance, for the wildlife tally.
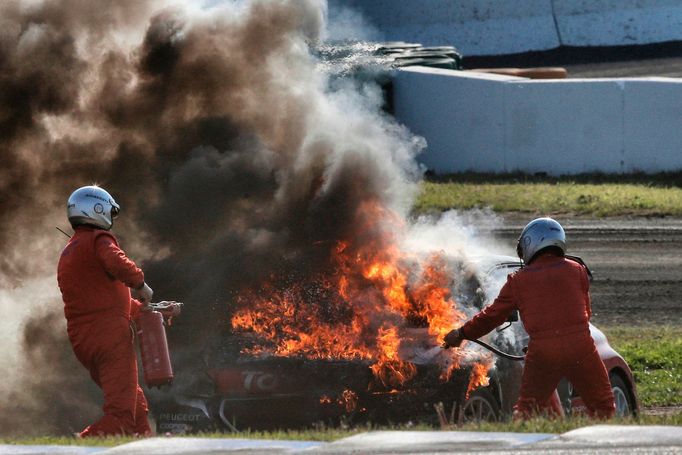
(497, 351)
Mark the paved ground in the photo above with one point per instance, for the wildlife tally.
(601, 439)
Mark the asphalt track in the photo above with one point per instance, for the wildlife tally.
(600, 439)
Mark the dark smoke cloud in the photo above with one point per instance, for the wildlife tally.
(50, 376)
(231, 158)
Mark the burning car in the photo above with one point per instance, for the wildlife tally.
(244, 385)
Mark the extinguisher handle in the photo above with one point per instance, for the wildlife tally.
(168, 309)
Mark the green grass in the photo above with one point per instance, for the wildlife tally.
(538, 425)
(595, 196)
(655, 357)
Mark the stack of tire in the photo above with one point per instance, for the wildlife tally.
(401, 54)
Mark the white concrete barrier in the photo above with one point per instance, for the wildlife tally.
(487, 123)
(652, 123)
(475, 27)
(462, 118)
(618, 22)
(563, 127)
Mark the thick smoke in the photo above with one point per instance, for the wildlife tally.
(231, 158)
(348, 24)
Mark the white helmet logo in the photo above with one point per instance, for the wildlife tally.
(99, 208)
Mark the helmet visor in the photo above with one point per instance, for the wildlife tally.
(114, 211)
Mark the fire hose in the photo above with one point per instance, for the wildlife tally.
(512, 318)
(494, 350)
(433, 351)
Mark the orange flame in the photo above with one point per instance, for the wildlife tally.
(479, 377)
(370, 293)
(349, 400)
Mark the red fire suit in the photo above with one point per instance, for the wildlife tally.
(552, 296)
(94, 276)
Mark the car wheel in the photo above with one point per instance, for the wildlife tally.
(621, 396)
(481, 406)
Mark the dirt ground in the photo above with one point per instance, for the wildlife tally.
(636, 263)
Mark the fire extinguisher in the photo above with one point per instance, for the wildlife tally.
(151, 336)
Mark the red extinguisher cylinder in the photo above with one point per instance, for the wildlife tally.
(151, 335)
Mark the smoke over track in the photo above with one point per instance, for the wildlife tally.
(214, 130)
(233, 158)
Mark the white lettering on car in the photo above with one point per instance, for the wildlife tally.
(255, 381)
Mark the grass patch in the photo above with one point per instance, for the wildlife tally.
(655, 357)
(543, 195)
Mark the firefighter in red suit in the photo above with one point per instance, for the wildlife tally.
(97, 280)
(552, 295)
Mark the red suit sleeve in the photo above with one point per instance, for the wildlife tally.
(135, 306)
(493, 315)
(116, 263)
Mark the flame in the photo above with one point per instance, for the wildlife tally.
(479, 377)
(358, 307)
(349, 400)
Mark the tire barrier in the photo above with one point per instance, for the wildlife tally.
(411, 54)
(357, 57)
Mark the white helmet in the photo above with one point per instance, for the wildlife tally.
(538, 234)
(92, 205)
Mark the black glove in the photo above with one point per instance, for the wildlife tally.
(453, 339)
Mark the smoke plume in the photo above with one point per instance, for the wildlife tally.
(230, 155)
